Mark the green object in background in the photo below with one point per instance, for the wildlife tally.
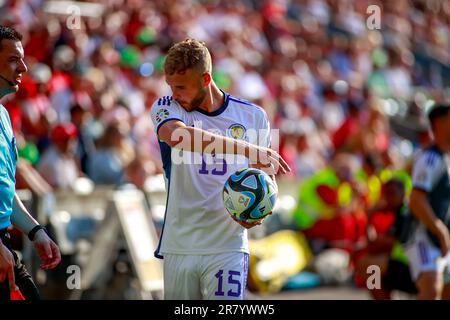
(344, 193)
(130, 56)
(310, 207)
(377, 82)
(146, 35)
(302, 218)
(374, 189)
(398, 254)
(159, 63)
(373, 184)
(222, 79)
(379, 58)
(402, 175)
(29, 152)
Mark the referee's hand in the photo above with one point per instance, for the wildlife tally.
(47, 250)
(7, 264)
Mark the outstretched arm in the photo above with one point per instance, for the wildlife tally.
(177, 135)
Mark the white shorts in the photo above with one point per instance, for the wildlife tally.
(424, 256)
(209, 277)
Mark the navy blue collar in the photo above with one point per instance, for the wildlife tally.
(218, 111)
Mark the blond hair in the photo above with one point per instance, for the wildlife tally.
(188, 54)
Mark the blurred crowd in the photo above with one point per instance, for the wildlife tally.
(327, 81)
(348, 101)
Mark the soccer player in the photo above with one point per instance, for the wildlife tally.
(430, 205)
(205, 252)
(13, 274)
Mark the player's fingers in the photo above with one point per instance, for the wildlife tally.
(284, 163)
(249, 226)
(280, 162)
(275, 163)
(270, 169)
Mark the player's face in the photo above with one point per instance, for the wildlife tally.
(12, 65)
(188, 88)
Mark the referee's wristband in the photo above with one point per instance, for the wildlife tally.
(33, 232)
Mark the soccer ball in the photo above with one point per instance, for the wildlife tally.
(249, 195)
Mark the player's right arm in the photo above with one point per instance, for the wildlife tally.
(177, 135)
(425, 172)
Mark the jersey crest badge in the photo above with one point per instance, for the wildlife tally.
(237, 131)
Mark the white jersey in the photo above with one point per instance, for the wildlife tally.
(196, 221)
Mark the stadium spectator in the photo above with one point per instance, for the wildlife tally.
(107, 165)
(85, 142)
(385, 232)
(58, 165)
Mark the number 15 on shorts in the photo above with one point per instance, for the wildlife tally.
(233, 281)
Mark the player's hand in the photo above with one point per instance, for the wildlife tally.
(268, 159)
(47, 250)
(249, 225)
(7, 264)
(443, 235)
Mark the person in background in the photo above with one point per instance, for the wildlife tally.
(385, 232)
(106, 166)
(85, 142)
(58, 164)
